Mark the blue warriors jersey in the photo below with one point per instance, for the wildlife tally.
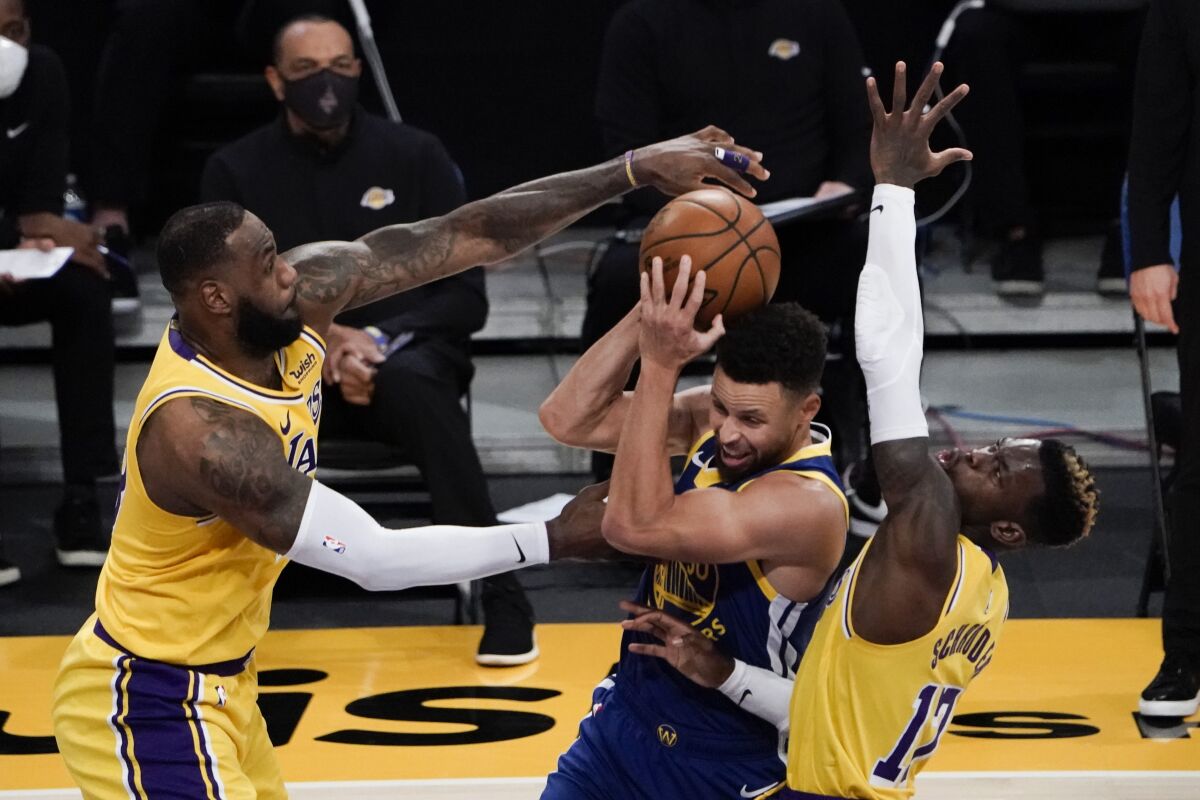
(732, 604)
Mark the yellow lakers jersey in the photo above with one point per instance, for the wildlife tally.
(190, 590)
(865, 718)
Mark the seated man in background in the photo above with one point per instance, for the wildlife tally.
(33, 165)
(330, 170)
(990, 50)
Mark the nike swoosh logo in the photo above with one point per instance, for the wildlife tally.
(746, 693)
(285, 427)
(17, 131)
(877, 208)
(757, 792)
(519, 550)
(701, 464)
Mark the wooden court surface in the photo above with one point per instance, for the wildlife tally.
(405, 712)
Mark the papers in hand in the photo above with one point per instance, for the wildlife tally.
(27, 263)
(538, 511)
(795, 208)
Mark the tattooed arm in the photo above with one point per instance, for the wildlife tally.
(333, 276)
(200, 456)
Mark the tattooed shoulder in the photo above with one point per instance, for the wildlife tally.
(239, 456)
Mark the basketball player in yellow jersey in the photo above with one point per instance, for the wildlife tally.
(156, 694)
(917, 616)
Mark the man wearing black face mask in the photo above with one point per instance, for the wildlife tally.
(327, 169)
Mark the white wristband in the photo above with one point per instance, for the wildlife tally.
(761, 692)
(336, 535)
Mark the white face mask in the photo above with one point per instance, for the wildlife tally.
(13, 60)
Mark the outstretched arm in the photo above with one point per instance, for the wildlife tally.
(905, 575)
(589, 407)
(199, 456)
(337, 275)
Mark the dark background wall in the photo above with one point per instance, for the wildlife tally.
(509, 87)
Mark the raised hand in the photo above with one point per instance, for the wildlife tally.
(668, 336)
(680, 165)
(900, 153)
(683, 647)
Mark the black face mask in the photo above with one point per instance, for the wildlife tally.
(323, 100)
(261, 334)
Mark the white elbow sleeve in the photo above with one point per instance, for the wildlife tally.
(888, 328)
(761, 692)
(336, 535)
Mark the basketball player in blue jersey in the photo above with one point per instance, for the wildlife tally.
(918, 615)
(744, 542)
(156, 694)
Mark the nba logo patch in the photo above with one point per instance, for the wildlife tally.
(784, 49)
(336, 545)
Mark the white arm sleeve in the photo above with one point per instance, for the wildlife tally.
(336, 535)
(761, 692)
(888, 328)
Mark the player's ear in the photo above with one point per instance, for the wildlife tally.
(811, 405)
(1009, 534)
(275, 81)
(216, 297)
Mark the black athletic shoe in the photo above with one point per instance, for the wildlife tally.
(9, 572)
(508, 638)
(1017, 268)
(1110, 280)
(126, 298)
(1174, 692)
(77, 530)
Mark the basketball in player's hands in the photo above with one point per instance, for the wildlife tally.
(727, 237)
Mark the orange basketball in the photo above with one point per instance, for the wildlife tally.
(727, 237)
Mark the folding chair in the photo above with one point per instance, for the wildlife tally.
(1163, 423)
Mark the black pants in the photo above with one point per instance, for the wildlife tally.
(989, 51)
(417, 407)
(1181, 606)
(821, 264)
(78, 304)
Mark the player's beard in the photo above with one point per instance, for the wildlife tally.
(260, 333)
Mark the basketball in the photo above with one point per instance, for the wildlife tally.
(726, 236)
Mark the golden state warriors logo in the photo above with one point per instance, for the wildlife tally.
(377, 198)
(667, 736)
(784, 49)
(691, 588)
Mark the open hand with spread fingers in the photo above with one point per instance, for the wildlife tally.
(683, 647)
(667, 336)
(682, 164)
(900, 153)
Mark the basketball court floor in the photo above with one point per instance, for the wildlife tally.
(375, 696)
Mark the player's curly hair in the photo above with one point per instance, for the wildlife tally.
(193, 241)
(1066, 511)
(779, 343)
